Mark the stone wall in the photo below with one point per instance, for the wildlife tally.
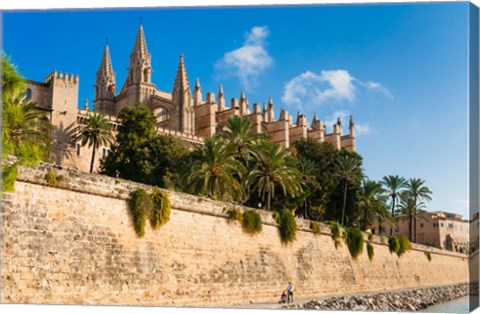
(75, 244)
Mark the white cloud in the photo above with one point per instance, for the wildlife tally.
(319, 88)
(344, 115)
(249, 61)
(311, 89)
(377, 87)
(362, 128)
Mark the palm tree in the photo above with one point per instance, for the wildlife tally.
(371, 198)
(348, 170)
(418, 192)
(409, 206)
(214, 171)
(25, 129)
(394, 185)
(237, 132)
(309, 182)
(274, 170)
(96, 132)
(12, 81)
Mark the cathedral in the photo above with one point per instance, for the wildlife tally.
(181, 113)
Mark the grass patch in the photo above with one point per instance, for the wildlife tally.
(429, 256)
(160, 208)
(336, 233)
(140, 205)
(354, 241)
(234, 214)
(393, 244)
(52, 178)
(287, 224)
(370, 251)
(405, 245)
(315, 227)
(9, 176)
(252, 222)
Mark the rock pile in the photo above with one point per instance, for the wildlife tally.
(412, 300)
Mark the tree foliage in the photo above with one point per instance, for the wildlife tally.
(24, 127)
(140, 154)
(214, 171)
(95, 133)
(273, 170)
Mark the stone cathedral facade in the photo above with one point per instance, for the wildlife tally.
(180, 113)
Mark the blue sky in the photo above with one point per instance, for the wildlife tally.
(399, 69)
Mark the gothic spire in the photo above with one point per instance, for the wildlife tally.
(197, 84)
(181, 80)
(270, 101)
(221, 99)
(140, 48)
(106, 69)
(197, 94)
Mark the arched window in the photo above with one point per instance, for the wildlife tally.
(28, 94)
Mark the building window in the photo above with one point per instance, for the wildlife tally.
(104, 153)
(421, 225)
(441, 225)
(434, 225)
(28, 94)
(77, 149)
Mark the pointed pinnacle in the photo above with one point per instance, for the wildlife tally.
(242, 95)
(220, 91)
(140, 42)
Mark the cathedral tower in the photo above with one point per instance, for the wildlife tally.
(105, 86)
(139, 79)
(183, 118)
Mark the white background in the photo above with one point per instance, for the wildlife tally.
(49, 4)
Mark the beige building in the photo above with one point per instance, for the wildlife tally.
(474, 233)
(180, 112)
(439, 229)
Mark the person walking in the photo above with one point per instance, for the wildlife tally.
(289, 292)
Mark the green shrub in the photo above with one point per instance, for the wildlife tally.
(315, 227)
(336, 233)
(405, 245)
(9, 176)
(51, 178)
(251, 222)
(354, 241)
(234, 214)
(160, 208)
(393, 244)
(287, 224)
(429, 256)
(140, 205)
(370, 251)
